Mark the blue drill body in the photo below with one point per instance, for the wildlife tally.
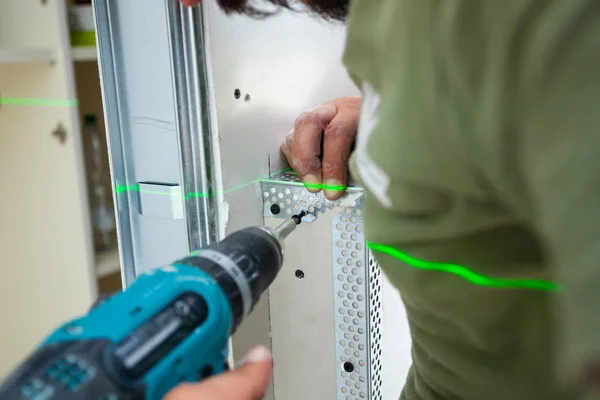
(170, 326)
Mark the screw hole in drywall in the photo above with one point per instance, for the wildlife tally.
(237, 94)
(247, 98)
(299, 274)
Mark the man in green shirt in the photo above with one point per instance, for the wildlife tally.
(479, 146)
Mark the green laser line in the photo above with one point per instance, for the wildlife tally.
(454, 269)
(136, 188)
(465, 272)
(322, 186)
(325, 187)
(310, 185)
(24, 101)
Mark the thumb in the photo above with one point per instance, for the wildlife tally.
(247, 382)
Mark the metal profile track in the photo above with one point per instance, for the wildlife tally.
(157, 115)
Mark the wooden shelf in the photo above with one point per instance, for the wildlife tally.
(107, 263)
(11, 56)
(84, 53)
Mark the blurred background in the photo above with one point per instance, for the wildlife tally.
(57, 221)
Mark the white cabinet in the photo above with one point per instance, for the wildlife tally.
(45, 235)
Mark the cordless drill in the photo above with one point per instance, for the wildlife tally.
(171, 325)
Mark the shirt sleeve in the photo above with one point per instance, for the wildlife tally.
(557, 164)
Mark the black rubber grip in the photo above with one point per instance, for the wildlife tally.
(256, 254)
(264, 248)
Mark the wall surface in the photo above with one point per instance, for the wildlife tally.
(282, 67)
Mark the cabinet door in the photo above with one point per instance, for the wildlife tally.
(47, 263)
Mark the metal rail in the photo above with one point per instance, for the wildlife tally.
(191, 85)
(154, 89)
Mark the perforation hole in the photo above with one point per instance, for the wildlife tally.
(375, 322)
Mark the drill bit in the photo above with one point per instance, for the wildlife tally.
(284, 230)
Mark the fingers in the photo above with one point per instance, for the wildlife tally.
(286, 147)
(190, 2)
(337, 142)
(307, 142)
(247, 382)
(319, 145)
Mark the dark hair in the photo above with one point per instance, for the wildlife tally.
(329, 9)
(245, 7)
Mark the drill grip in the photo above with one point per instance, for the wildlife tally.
(244, 264)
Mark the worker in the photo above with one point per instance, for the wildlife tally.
(479, 147)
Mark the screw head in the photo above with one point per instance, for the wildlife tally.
(275, 209)
(348, 367)
(299, 274)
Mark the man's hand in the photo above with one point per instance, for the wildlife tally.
(319, 145)
(247, 382)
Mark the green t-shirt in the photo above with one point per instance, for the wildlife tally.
(479, 146)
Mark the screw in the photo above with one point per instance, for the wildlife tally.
(275, 209)
(299, 274)
(298, 218)
(237, 94)
(348, 367)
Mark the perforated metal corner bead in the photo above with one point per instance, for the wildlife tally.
(350, 277)
(374, 294)
(284, 195)
(356, 281)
